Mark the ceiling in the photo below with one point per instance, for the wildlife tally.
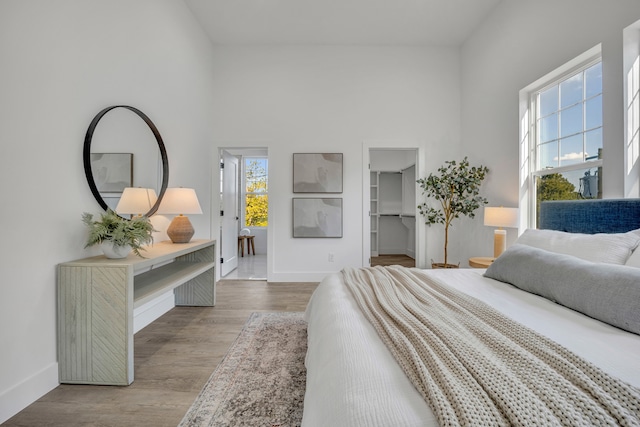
(351, 22)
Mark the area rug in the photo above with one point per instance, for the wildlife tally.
(261, 381)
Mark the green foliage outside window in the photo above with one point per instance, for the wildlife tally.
(554, 186)
(256, 200)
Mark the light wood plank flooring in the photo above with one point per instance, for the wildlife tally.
(402, 260)
(174, 357)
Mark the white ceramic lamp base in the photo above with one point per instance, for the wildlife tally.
(180, 230)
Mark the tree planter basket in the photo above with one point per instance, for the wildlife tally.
(443, 265)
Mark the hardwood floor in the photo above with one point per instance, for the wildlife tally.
(174, 357)
(402, 260)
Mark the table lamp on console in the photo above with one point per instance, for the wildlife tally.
(180, 201)
(136, 201)
(500, 217)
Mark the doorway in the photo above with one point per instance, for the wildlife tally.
(244, 213)
(391, 198)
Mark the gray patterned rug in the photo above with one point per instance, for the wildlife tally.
(261, 381)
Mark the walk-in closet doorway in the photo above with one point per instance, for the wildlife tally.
(391, 198)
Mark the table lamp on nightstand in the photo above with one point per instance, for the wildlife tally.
(180, 201)
(500, 217)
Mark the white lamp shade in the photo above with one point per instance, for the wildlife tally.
(136, 201)
(179, 201)
(501, 217)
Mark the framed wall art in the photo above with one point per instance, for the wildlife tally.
(317, 217)
(112, 172)
(317, 172)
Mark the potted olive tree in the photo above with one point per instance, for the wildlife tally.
(117, 236)
(456, 188)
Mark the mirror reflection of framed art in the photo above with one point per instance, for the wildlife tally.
(112, 172)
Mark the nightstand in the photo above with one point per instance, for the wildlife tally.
(480, 261)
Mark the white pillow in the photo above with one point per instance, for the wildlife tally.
(634, 259)
(615, 248)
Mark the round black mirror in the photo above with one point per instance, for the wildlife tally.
(121, 164)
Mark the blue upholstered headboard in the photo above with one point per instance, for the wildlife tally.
(591, 216)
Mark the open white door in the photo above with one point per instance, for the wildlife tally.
(229, 220)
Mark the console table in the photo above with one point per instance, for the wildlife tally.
(97, 296)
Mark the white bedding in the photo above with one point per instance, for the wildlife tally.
(353, 380)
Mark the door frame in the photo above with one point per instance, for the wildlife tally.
(420, 230)
(259, 150)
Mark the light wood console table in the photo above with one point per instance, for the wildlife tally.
(97, 296)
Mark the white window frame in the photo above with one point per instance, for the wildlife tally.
(632, 116)
(528, 132)
(631, 84)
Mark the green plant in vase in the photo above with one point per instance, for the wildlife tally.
(456, 187)
(122, 234)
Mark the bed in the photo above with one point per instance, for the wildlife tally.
(353, 378)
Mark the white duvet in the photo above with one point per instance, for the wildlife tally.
(353, 380)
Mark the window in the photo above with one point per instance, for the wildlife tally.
(256, 199)
(633, 114)
(566, 136)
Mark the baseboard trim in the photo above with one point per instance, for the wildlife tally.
(18, 397)
(147, 313)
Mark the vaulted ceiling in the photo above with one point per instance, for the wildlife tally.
(351, 22)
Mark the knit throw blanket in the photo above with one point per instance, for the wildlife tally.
(475, 366)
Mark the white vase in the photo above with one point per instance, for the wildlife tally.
(113, 251)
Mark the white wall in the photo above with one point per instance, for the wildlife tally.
(519, 43)
(62, 62)
(332, 99)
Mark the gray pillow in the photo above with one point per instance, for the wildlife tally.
(607, 292)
